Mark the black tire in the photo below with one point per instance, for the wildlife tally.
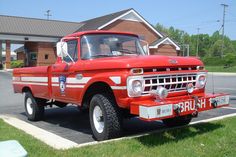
(111, 117)
(177, 121)
(37, 107)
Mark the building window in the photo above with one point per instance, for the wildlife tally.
(46, 56)
(33, 56)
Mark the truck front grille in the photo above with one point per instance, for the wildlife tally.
(173, 83)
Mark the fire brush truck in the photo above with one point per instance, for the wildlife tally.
(112, 75)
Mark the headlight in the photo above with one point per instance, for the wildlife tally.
(201, 80)
(200, 68)
(190, 87)
(135, 87)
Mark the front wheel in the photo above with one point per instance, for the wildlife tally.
(105, 117)
(177, 121)
(33, 107)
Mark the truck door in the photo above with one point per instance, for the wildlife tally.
(64, 87)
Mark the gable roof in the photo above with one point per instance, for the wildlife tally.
(103, 21)
(38, 27)
(95, 23)
(160, 41)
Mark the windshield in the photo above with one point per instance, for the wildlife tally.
(109, 45)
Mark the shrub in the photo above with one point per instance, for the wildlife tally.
(229, 59)
(17, 64)
(217, 61)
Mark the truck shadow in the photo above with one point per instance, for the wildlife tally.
(79, 121)
(176, 135)
(71, 118)
(62, 120)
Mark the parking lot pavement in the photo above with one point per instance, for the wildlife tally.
(73, 125)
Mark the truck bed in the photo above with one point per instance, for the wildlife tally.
(36, 79)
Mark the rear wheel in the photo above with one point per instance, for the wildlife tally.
(177, 121)
(105, 117)
(34, 108)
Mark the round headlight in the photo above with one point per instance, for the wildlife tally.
(201, 81)
(190, 88)
(137, 87)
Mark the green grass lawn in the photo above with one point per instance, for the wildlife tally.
(220, 69)
(216, 139)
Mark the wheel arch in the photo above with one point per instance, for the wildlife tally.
(26, 89)
(95, 88)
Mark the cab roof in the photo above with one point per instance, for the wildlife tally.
(77, 34)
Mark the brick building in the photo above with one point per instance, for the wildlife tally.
(39, 36)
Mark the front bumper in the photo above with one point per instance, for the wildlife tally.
(178, 106)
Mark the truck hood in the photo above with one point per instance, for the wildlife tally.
(140, 62)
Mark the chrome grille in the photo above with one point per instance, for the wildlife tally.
(173, 83)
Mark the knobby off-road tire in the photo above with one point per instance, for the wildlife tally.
(177, 121)
(34, 107)
(110, 116)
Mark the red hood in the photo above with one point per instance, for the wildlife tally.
(140, 62)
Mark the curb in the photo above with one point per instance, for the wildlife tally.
(221, 74)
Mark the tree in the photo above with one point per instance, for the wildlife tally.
(208, 46)
(215, 49)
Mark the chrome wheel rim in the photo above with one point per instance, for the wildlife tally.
(98, 119)
(29, 107)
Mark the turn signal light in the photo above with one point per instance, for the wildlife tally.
(137, 71)
(200, 68)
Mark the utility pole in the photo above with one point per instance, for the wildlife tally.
(197, 41)
(48, 14)
(186, 47)
(223, 30)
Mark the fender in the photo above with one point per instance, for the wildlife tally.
(115, 80)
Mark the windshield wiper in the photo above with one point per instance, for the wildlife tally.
(100, 55)
(127, 51)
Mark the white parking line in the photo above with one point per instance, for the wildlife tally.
(230, 89)
(213, 119)
(232, 108)
(58, 142)
(233, 96)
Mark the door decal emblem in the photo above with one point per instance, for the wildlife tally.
(62, 84)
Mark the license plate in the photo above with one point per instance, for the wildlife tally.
(165, 110)
(155, 111)
(221, 100)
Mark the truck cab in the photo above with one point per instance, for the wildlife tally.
(113, 76)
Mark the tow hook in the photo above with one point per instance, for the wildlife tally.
(214, 103)
(197, 105)
(177, 109)
(195, 113)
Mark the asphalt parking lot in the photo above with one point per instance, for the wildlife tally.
(74, 125)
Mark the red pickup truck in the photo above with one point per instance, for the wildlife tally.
(111, 74)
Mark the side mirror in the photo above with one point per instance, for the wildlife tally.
(62, 50)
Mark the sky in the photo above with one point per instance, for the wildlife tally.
(187, 15)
